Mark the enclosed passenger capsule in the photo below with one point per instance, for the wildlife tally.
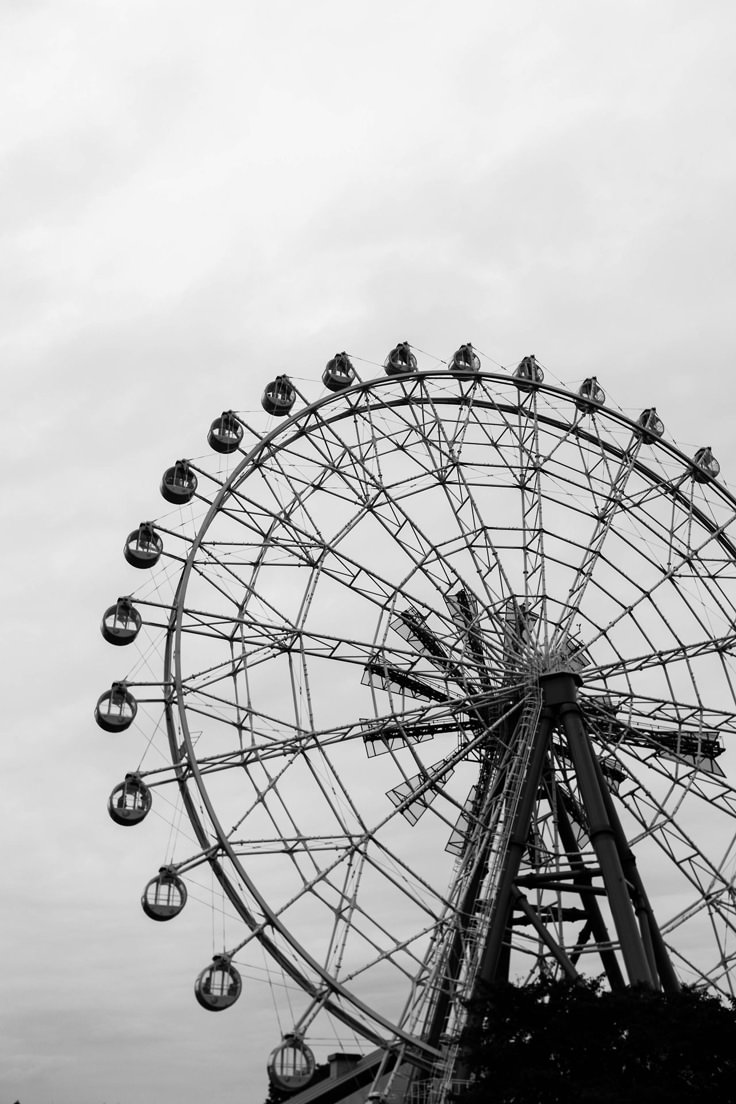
(121, 623)
(279, 397)
(179, 484)
(528, 374)
(225, 433)
(291, 1065)
(339, 373)
(650, 423)
(400, 361)
(116, 708)
(219, 985)
(144, 546)
(130, 801)
(705, 465)
(165, 895)
(464, 360)
(590, 395)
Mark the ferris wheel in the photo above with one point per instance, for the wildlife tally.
(446, 694)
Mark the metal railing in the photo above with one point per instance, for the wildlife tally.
(435, 1091)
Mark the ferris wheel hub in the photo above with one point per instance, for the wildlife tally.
(560, 687)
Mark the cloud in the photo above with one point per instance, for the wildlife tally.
(193, 205)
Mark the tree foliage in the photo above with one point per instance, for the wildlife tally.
(579, 1044)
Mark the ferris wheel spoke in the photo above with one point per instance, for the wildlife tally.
(320, 881)
(206, 765)
(408, 535)
(627, 710)
(348, 572)
(434, 776)
(711, 887)
(453, 670)
(420, 547)
(343, 915)
(198, 682)
(420, 551)
(670, 532)
(724, 900)
(210, 562)
(378, 736)
(531, 498)
(345, 570)
(451, 431)
(287, 845)
(523, 457)
(354, 472)
(328, 783)
(309, 547)
(304, 546)
(710, 646)
(214, 626)
(719, 977)
(392, 663)
(687, 740)
(413, 626)
(698, 785)
(712, 895)
(394, 954)
(658, 824)
(670, 575)
(444, 456)
(368, 921)
(475, 532)
(606, 512)
(268, 799)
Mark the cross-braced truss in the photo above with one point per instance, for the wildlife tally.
(365, 617)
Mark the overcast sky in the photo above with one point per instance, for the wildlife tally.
(196, 196)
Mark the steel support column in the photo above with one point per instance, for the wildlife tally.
(590, 903)
(519, 838)
(561, 694)
(662, 963)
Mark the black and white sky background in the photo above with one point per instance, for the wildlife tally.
(196, 196)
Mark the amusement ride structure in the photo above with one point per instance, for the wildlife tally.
(446, 694)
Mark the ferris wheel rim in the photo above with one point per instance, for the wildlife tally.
(174, 635)
(410, 380)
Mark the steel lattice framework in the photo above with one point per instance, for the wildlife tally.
(447, 690)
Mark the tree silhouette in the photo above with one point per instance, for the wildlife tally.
(579, 1044)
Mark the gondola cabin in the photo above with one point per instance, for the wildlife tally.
(225, 433)
(143, 546)
(121, 623)
(116, 708)
(164, 896)
(527, 374)
(179, 483)
(279, 397)
(590, 396)
(339, 373)
(650, 424)
(130, 802)
(705, 466)
(219, 985)
(291, 1065)
(464, 360)
(400, 360)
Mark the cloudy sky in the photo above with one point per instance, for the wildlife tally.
(199, 195)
